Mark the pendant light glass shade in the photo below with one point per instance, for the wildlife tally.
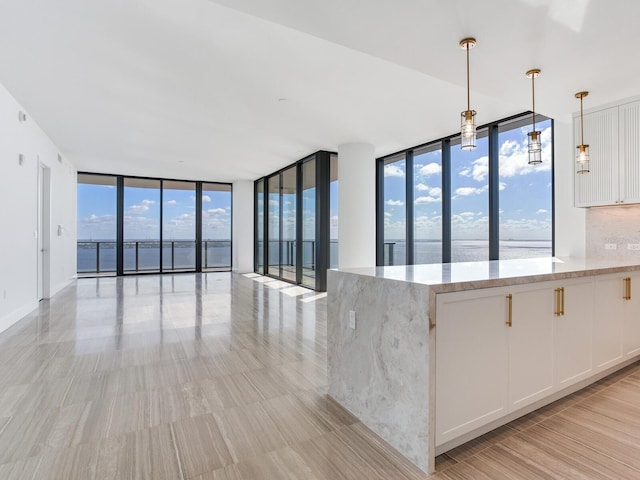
(468, 116)
(534, 136)
(468, 130)
(582, 158)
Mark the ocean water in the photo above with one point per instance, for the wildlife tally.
(426, 251)
(217, 255)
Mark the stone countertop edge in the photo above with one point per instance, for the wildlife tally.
(481, 283)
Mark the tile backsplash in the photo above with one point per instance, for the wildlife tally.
(609, 226)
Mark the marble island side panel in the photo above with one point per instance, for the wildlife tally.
(380, 371)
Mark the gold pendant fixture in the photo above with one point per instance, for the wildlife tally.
(582, 159)
(468, 121)
(535, 144)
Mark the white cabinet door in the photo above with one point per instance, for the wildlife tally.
(629, 122)
(531, 354)
(631, 327)
(471, 361)
(600, 186)
(574, 332)
(608, 320)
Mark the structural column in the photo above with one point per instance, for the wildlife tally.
(242, 218)
(357, 205)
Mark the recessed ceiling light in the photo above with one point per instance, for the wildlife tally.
(283, 99)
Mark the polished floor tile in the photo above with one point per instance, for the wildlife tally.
(223, 377)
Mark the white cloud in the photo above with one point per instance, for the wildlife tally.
(502, 186)
(138, 209)
(172, 202)
(421, 187)
(433, 195)
(430, 169)
(394, 203)
(148, 202)
(217, 211)
(206, 198)
(542, 210)
(393, 170)
(478, 171)
(466, 191)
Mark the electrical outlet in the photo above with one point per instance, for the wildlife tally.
(610, 246)
(352, 319)
(633, 246)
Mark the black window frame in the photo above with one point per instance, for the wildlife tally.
(444, 143)
(120, 187)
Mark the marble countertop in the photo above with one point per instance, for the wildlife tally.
(452, 277)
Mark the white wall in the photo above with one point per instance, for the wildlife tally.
(569, 220)
(243, 226)
(19, 212)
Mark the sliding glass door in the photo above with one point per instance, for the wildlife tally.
(178, 226)
(141, 230)
(129, 225)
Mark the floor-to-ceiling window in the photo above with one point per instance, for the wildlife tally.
(470, 200)
(273, 222)
(97, 227)
(178, 226)
(427, 204)
(259, 227)
(141, 231)
(288, 261)
(298, 239)
(216, 226)
(439, 203)
(526, 227)
(395, 210)
(129, 225)
(309, 223)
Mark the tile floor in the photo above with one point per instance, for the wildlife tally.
(221, 376)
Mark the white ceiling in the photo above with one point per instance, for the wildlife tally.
(235, 89)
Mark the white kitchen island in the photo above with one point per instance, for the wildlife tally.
(443, 353)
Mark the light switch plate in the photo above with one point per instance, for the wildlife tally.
(633, 246)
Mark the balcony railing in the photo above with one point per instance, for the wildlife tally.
(144, 255)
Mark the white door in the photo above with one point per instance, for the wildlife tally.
(608, 321)
(574, 332)
(531, 354)
(471, 361)
(44, 227)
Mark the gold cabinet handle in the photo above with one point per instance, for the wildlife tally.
(562, 292)
(627, 288)
(557, 310)
(510, 308)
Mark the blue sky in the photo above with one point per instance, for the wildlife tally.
(525, 192)
(97, 213)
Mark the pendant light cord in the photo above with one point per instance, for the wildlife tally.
(581, 123)
(533, 95)
(468, 87)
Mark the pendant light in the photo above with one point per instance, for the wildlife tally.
(582, 159)
(535, 145)
(468, 123)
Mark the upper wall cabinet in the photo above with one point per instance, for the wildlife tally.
(613, 136)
